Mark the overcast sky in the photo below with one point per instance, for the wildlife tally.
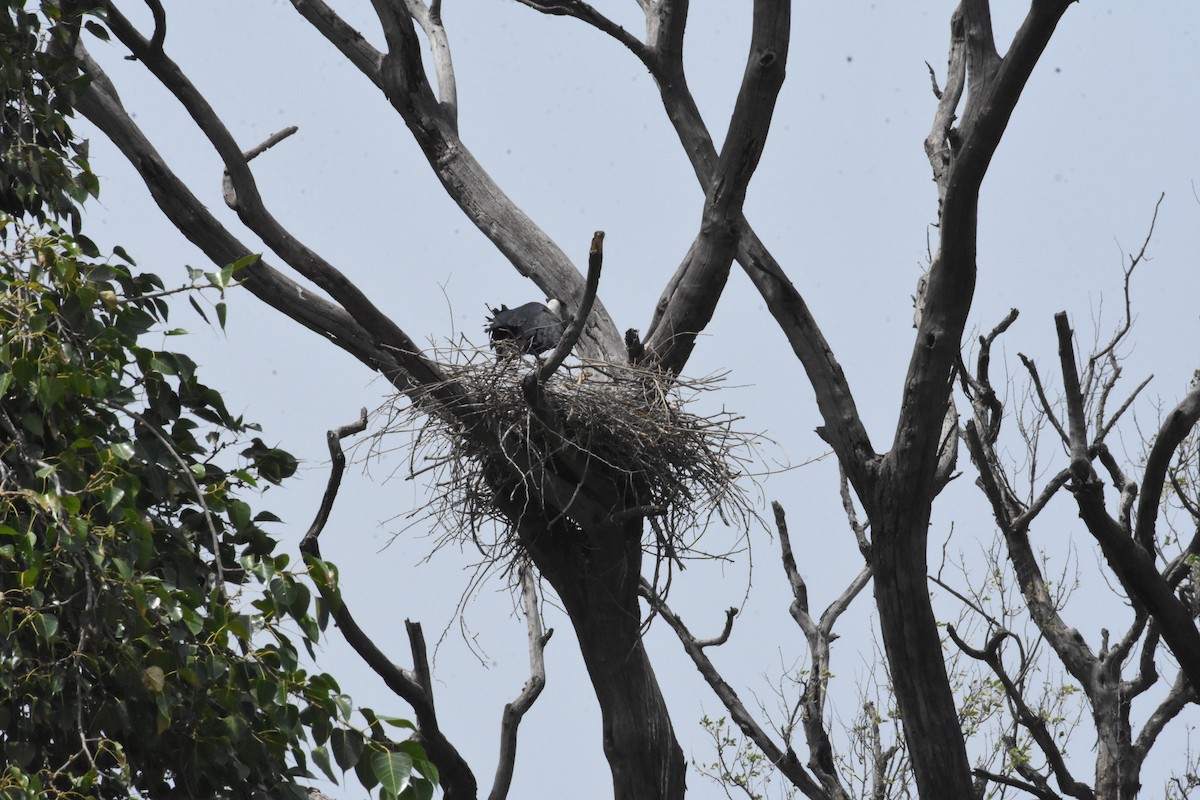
(570, 125)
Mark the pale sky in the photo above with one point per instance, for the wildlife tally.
(570, 125)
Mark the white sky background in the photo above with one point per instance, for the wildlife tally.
(570, 125)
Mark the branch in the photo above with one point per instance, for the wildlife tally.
(571, 335)
(1181, 694)
(269, 142)
(202, 229)
(585, 13)
(821, 758)
(349, 42)
(690, 297)
(981, 384)
(860, 529)
(941, 141)
(415, 688)
(1174, 430)
(1076, 422)
(527, 247)
(430, 20)
(1147, 674)
(253, 213)
(1047, 409)
(514, 712)
(785, 761)
(1065, 640)
(843, 428)
(1108, 351)
(1005, 780)
(1132, 563)
(1034, 723)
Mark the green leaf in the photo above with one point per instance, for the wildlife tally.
(347, 747)
(394, 771)
(397, 722)
(120, 253)
(421, 761)
(199, 310)
(321, 756)
(366, 776)
(122, 450)
(97, 30)
(46, 625)
(243, 262)
(113, 495)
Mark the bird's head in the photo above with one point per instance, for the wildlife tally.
(554, 306)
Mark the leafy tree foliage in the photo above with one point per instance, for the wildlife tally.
(44, 170)
(144, 605)
(149, 625)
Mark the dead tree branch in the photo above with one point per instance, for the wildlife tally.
(1128, 557)
(414, 687)
(690, 297)
(785, 761)
(429, 17)
(821, 757)
(1031, 721)
(579, 320)
(515, 711)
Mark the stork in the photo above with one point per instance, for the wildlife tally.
(532, 328)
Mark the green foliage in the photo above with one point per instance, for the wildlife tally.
(739, 765)
(44, 171)
(147, 622)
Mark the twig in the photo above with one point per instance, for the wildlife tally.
(269, 142)
(1045, 401)
(821, 758)
(586, 13)
(515, 711)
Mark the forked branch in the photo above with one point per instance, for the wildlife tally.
(415, 687)
(1031, 721)
(784, 760)
(1128, 558)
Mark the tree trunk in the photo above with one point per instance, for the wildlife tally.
(596, 576)
(1117, 771)
(914, 648)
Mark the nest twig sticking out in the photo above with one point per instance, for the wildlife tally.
(676, 468)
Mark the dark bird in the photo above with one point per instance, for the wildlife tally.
(532, 328)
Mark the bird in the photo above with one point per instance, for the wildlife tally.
(532, 328)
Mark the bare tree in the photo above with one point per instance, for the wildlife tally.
(586, 523)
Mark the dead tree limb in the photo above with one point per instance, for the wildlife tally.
(1127, 556)
(412, 686)
(515, 711)
(785, 760)
(571, 336)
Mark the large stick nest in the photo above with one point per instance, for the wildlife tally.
(624, 424)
